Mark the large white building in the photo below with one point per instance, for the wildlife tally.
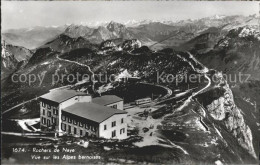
(76, 113)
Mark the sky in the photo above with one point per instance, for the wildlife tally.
(24, 14)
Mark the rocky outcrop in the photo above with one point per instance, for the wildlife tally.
(64, 43)
(249, 31)
(224, 109)
(12, 58)
(112, 31)
(8, 61)
(130, 45)
(108, 44)
(119, 30)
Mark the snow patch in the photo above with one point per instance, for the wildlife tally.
(123, 74)
(249, 31)
(24, 123)
(45, 63)
(218, 162)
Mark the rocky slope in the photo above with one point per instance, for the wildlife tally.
(221, 107)
(75, 31)
(108, 46)
(205, 41)
(8, 62)
(237, 51)
(13, 57)
(130, 45)
(64, 43)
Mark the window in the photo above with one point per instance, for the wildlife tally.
(55, 111)
(48, 122)
(43, 112)
(48, 106)
(75, 130)
(105, 127)
(69, 120)
(53, 120)
(75, 122)
(80, 124)
(63, 127)
(49, 113)
(114, 133)
(114, 106)
(122, 130)
(86, 126)
(43, 104)
(69, 128)
(43, 121)
(81, 132)
(122, 120)
(113, 123)
(63, 118)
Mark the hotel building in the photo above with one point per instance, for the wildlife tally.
(78, 114)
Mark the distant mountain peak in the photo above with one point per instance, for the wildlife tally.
(218, 16)
(75, 31)
(114, 26)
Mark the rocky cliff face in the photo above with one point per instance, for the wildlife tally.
(224, 109)
(119, 30)
(12, 57)
(8, 60)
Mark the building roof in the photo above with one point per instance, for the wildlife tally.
(92, 111)
(106, 99)
(61, 95)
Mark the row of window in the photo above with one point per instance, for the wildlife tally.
(68, 128)
(49, 122)
(55, 112)
(75, 122)
(88, 127)
(114, 106)
(113, 124)
(48, 106)
(121, 132)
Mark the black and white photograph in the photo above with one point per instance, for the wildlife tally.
(130, 82)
